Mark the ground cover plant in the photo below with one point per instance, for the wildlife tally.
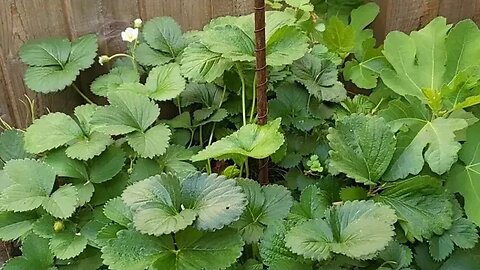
(384, 181)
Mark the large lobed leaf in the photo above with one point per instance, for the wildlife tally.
(464, 177)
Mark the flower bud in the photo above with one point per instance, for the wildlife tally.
(103, 59)
(137, 23)
(58, 226)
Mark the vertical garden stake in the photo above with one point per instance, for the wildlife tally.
(261, 77)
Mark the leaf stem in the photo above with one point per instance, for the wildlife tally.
(242, 80)
(247, 171)
(254, 92)
(75, 87)
(178, 105)
(210, 139)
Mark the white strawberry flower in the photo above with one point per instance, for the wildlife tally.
(130, 34)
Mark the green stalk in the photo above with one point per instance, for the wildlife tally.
(210, 139)
(252, 109)
(75, 87)
(247, 171)
(242, 80)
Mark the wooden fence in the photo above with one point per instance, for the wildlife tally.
(21, 20)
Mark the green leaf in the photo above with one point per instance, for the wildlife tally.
(35, 255)
(110, 82)
(165, 35)
(463, 234)
(422, 206)
(43, 227)
(162, 205)
(208, 95)
(286, 45)
(126, 113)
(353, 193)
(362, 147)
(291, 105)
(364, 16)
(312, 205)
(367, 66)
(266, 205)
(89, 146)
(338, 36)
(230, 41)
(55, 63)
(65, 166)
(66, 245)
(12, 146)
(396, 255)
(216, 200)
(62, 202)
(426, 140)
(193, 250)
(153, 142)
(165, 82)
(85, 192)
(51, 131)
(275, 254)
(199, 64)
(117, 211)
(175, 161)
(250, 141)
(32, 182)
(320, 77)
(464, 177)
(147, 56)
(355, 229)
(106, 166)
(89, 259)
(15, 225)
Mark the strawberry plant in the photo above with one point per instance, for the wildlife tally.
(384, 181)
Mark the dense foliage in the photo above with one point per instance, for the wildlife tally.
(385, 181)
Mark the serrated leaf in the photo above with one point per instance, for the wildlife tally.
(396, 255)
(111, 81)
(15, 225)
(43, 227)
(36, 255)
(425, 140)
(32, 182)
(353, 193)
(147, 56)
(320, 77)
(216, 200)
(65, 166)
(51, 131)
(126, 113)
(422, 206)
(362, 147)
(464, 177)
(12, 146)
(89, 259)
(355, 229)
(153, 142)
(285, 45)
(85, 192)
(162, 205)
(89, 147)
(55, 63)
(165, 35)
(196, 250)
(266, 205)
(199, 64)
(165, 82)
(230, 41)
(275, 254)
(106, 166)
(175, 160)
(249, 141)
(62, 202)
(312, 205)
(117, 211)
(208, 95)
(66, 245)
(291, 105)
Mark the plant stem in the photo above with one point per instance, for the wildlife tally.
(252, 109)
(247, 171)
(178, 105)
(210, 139)
(75, 87)
(242, 80)
(192, 134)
(201, 136)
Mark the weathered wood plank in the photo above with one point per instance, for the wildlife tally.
(456, 11)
